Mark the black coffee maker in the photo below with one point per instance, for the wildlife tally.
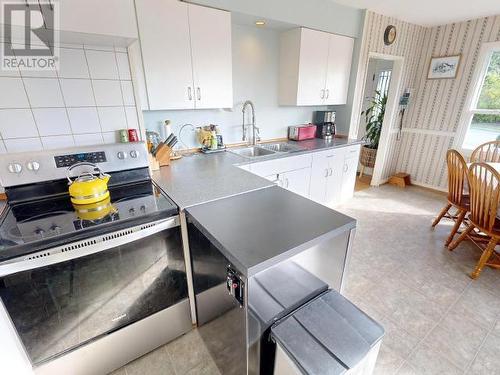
(325, 124)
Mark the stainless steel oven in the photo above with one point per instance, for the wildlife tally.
(86, 296)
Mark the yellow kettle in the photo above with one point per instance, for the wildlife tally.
(94, 211)
(88, 188)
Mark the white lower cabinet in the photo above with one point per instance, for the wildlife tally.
(296, 181)
(327, 177)
(291, 173)
(349, 176)
(333, 175)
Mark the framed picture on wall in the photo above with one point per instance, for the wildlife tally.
(443, 67)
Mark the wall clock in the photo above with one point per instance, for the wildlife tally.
(389, 35)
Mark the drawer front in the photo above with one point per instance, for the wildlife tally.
(352, 151)
(290, 163)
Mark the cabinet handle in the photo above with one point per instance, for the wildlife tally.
(326, 172)
(346, 167)
(331, 172)
(198, 91)
(286, 185)
(327, 93)
(322, 94)
(190, 94)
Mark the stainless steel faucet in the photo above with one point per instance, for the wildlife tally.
(255, 129)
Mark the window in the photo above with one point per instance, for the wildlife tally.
(484, 114)
(382, 90)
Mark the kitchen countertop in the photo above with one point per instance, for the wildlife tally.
(259, 229)
(202, 178)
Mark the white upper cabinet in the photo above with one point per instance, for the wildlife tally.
(339, 69)
(314, 67)
(166, 55)
(184, 60)
(313, 63)
(210, 31)
(109, 18)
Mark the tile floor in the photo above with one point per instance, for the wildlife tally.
(437, 320)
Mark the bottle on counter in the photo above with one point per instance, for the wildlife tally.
(213, 141)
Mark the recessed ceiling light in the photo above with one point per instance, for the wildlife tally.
(260, 23)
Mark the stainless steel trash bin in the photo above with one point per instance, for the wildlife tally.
(329, 335)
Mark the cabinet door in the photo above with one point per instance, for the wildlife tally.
(166, 53)
(334, 180)
(313, 63)
(339, 69)
(319, 174)
(348, 178)
(212, 58)
(297, 181)
(110, 17)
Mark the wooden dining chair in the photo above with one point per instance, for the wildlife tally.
(488, 152)
(457, 183)
(484, 203)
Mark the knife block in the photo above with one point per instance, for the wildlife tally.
(163, 155)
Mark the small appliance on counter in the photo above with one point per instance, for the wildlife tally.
(325, 124)
(210, 139)
(301, 132)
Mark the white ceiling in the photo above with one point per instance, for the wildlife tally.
(429, 12)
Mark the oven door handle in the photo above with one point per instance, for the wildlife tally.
(85, 247)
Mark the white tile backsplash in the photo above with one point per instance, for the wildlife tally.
(43, 92)
(111, 137)
(73, 63)
(57, 141)
(123, 66)
(77, 92)
(132, 121)
(52, 121)
(112, 118)
(107, 93)
(84, 120)
(17, 123)
(88, 139)
(23, 144)
(12, 93)
(85, 102)
(102, 64)
(128, 93)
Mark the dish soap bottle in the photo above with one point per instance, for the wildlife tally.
(213, 141)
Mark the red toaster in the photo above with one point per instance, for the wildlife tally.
(301, 132)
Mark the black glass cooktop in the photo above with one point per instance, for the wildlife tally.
(34, 225)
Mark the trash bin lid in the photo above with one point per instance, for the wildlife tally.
(278, 291)
(329, 335)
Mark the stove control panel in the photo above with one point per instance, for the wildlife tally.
(32, 167)
(64, 161)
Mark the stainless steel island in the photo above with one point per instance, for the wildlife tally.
(256, 257)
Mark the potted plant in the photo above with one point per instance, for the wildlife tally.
(374, 117)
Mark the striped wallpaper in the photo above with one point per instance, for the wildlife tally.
(433, 116)
(408, 44)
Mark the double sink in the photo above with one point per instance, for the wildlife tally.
(266, 149)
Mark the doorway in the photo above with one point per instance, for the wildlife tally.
(376, 90)
(381, 77)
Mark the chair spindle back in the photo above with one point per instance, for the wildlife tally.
(485, 194)
(488, 152)
(457, 176)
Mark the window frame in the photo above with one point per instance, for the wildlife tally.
(487, 49)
